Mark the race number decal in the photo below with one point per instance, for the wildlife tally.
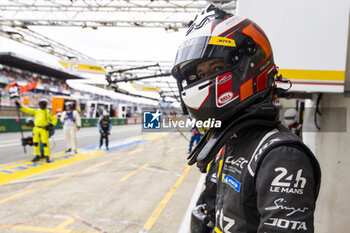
(224, 222)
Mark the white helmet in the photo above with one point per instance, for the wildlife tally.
(290, 116)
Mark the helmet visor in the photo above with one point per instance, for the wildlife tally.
(43, 104)
(197, 50)
(201, 71)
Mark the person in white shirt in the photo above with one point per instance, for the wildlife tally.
(71, 121)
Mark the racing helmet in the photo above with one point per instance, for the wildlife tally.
(105, 116)
(69, 104)
(30, 122)
(246, 76)
(43, 103)
(290, 116)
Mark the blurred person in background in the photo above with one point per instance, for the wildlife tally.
(44, 123)
(71, 121)
(104, 126)
(91, 113)
(59, 113)
(291, 120)
(195, 137)
(115, 113)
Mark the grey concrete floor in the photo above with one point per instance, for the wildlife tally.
(11, 149)
(145, 187)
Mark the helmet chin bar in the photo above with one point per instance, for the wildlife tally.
(195, 96)
(183, 106)
(189, 94)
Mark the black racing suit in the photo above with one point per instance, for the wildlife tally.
(267, 181)
(104, 125)
(206, 199)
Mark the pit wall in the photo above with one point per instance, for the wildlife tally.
(332, 150)
(11, 124)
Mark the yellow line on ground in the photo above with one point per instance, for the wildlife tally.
(157, 142)
(134, 151)
(50, 183)
(15, 162)
(62, 153)
(65, 223)
(170, 164)
(59, 154)
(64, 178)
(42, 229)
(55, 155)
(162, 140)
(151, 136)
(149, 224)
(170, 150)
(133, 173)
(30, 169)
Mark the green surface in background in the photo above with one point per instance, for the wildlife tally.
(11, 124)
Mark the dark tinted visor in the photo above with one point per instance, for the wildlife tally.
(191, 49)
(289, 118)
(194, 51)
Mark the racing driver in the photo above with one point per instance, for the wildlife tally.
(267, 180)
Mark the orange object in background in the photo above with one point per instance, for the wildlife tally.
(58, 103)
(26, 100)
(28, 87)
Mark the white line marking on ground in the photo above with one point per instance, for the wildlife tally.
(186, 221)
(58, 138)
(46, 177)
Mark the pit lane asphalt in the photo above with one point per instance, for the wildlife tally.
(145, 187)
(11, 149)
